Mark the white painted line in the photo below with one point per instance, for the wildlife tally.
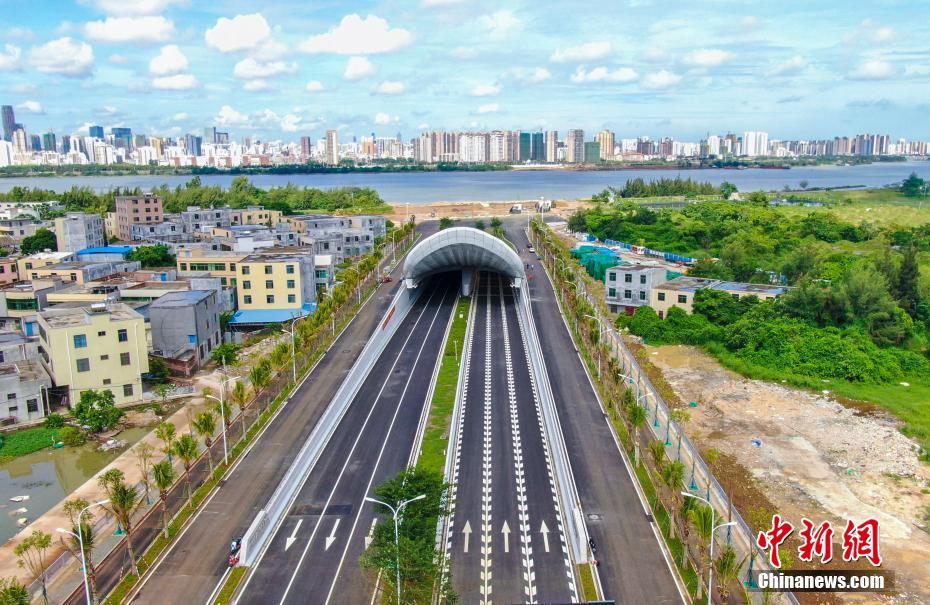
(371, 533)
(293, 537)
(466, 531)
(332, 535)
(506, 531)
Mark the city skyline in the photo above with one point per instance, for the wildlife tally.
(290, 70)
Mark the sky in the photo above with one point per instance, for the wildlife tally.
(282, 70)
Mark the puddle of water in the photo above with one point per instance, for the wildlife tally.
(49, 475)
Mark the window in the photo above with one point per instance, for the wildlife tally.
(192, 339)
(232, 267)
(290, 269)
(80, 341)
(247, 285)
(124, 359)
(11, 396)
(682, 298)
(642, 295)
(1, 357)
(107, 381)
(642, 279)
(290, 283)
(183, 266)
(269, 284)
(104, 357)
(102, 333)
(612, 293)
(270, 299)
(13, 410)
(627, 294)
(661, 295)
(268, 269)
(127, 390)
(245, 270)
(83, 365)
(32, 405)
(627, 278)
(247, 300)
(291, 298)
(122, 335)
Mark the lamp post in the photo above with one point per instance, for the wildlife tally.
(714, 528)
(79, 536)
(222, 402)
(291, 333)
(600, 334)
(396, 512)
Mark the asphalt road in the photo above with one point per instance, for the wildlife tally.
(197, 561)
(314, 555)
(633, 568)
(506, 540)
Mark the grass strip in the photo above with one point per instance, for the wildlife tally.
(588, 588)
(228, 591)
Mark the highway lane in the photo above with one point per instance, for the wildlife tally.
(313, 557)
(500, 550)
(633, 567)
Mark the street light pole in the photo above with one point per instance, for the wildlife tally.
(714, 528)
(293, 350)
(396, 512)
(79, 536)
(222, 402)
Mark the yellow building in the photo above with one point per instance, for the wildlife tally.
(98, 346)
(275, 287)
(680, 292)
(26, 264)
(215, 262)
(255, 215)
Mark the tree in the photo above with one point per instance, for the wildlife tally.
(81, 524)
(158, 255)
(97, 410)
(259, 375)
(43, 239)
(702, 519)
(166, 432)
(907, 285)
(225, 353)
(124, 501)
(31, 553)
(727, 567)
(727, 189)
(757, 198)
(163, 474)
(673, 475)
(657, 451)
(239, 395)
(158, 370)
(186, 449)
(163, 390)
(913, 186)
(496, 223)
(803, 183)
(479, 224)
(144, 454)
(636, 416)
(205, 425)
(445, 222)
(13, 593)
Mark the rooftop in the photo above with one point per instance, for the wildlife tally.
(8, 338)
(280, 256)
(49, 255)
(68, 315)
(269, 316)
(181, 299)
(636, 267)
(27, 370)
(732, 286)
(106, 250)
(688, 284)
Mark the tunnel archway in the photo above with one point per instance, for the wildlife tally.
(466, 249)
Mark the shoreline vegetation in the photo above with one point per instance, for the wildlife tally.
(348, 167)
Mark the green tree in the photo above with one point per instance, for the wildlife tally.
(907, 284)
(657, 452)
(757, 198)
(158, 370)
(496, 223)
(43, 239)
(637, 417)
(445, 222)
(124, 501)
(166, 432)
(913, 186)
(479, 224)
(228, 352)
(97, 410)
(186, 449)
(727, 189)
(727, 566)
(81, 524)
(54, 421)
(158, 255)
(13, 593)
(144, 454)
(163, 474)
(702, 520)
(31, 553)
(205, 425)
(673, 475)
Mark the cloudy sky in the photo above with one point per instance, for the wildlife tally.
(797, 69)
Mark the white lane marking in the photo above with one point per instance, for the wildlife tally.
(332, 534)
(506, 531)
(466, 531)
(486, 544)
(293, 537)
(545, 534)
(371, 534)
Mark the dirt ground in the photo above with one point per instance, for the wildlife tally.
(817, 459)
(468, 210)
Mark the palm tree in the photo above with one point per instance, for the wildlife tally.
(702, 519)
(684, 513)
(186, 449)
(636, 416)
(657, 451)
(673, 474)
(205, 425)
(82, 526)
(259, 376)
(166, 432)
(144, 453)
(163, 473)
(727, 567)
(239, 395)
(124, 500)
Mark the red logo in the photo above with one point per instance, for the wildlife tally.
(862, 541)
(772, 539)
(859, 541)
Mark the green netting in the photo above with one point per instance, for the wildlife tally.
(670, 275)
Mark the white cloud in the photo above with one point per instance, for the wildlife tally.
(256, 86)
(590, 51)
(917, 70)
(749, 22)
(179, 117)
(314, 86)
(485, 90)
(661, 80)
(793, 65)
(64, 56)
(175, 82)
(250, 68)
(500, 23)
(463, 52)
(602, 74)
(109, 110)
(883, 34)
(357, 36)
(873, 70)
(707, 57)
(134, 7)
(31, 107)
(358, 68)
(242, 32)
(391, 88)
(489, 108)
(9, 58)
(382, 118)
(423, 126)
(170, 60)
(655, 54)
(117, 30)
(24, 88)
(291, 123)
(118, 59)
(530, 76)
(230, 117)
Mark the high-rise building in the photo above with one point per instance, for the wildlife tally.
(574, 146)
(332, 148)
(135, 209)
(755, 144)
(606, 140)
(122, 138)
(20, 140)
(209, 134)
(9, 122)
(552, 146)
(35, 142)
(592, 152)
(95, 131)
(305, 147)
(538, 147)
(525, 147)
(194, 145)
(48, 142)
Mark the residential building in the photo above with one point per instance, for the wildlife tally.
(160, 233)
(255, 215)
(574, 146)
(324, 267)
(197, 220)
(552, 146)
(9, 122)
(80, 272)
(22, 391)
(79, 230)
(8, 271)
(135, 209)
(605, 139)
(12, 210)
(26, 264)
(14, 346)
(220, 264)
(275, 287)
(592, 152)
(680, 292)
(332, 147)
(20, 228)
(526, 144)
(627, 287)
(538, 147)
(21, 302)
(186, 325)
(98, 346)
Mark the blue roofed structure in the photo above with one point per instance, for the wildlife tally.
(270, 316)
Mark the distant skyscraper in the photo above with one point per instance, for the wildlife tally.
(193, 144)
(574, 146)
(538, 147)
(525, 147)
(592, 152)
(552, 146)
(332, 148)
(606, 140)
(20, 140)
(48, 142)
(9, 122)
(122, 137)
(95, 131)
(305, 147)
(35, 142)
(209, 134)
(755, 143)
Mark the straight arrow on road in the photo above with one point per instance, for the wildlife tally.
(293, 537)
(332, 534)
(545, 534)
(506, 531)
(467, 532)
(371, 533)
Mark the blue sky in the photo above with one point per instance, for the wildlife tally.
(797, 69)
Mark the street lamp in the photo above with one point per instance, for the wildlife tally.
(714, 528)
(293, 349)
(600, 334)
(396, 512)
(222, 402)
(79, 535)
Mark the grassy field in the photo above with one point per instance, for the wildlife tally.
(26, 441)
(436, 436)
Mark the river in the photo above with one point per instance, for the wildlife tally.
(427, 187)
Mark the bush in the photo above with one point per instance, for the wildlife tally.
(54, 421)
(229, 351)
(97, 410)
(71, 436)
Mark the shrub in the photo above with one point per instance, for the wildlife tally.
(71, 436)
(54, 421)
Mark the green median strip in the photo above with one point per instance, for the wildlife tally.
(588, 588)
(226, 594)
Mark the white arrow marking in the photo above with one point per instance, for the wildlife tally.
(332, 534)
(545, 533)
(293, 537)
(467, 531)
(371, 533)
(506, 531)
